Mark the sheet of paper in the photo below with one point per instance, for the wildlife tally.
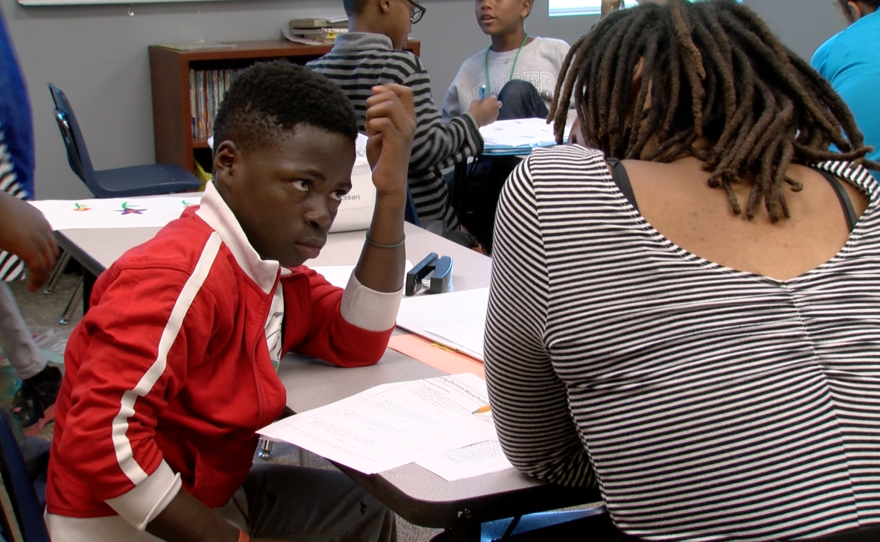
(436, 355)
(338, 275)
(394, 424)
(422, 313)
(467, 462)
(520, 133)
(468, 337)
(139, 212)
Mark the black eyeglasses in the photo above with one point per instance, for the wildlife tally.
(417, 12)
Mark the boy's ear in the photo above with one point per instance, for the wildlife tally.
(226, 157)
(384, 6)
(526, 8)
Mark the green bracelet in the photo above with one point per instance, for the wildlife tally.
(377, 245)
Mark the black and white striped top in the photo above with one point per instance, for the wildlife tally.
(707, 403)
(11, 267)
(359, 61)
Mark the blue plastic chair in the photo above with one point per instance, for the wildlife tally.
(145, 180)
(26, 509)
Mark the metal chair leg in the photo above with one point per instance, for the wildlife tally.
(72, 304)
(265, 449)
(57, 271)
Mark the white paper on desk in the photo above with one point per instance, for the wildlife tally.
(338, 275)
(466, 338)
(138, 212)
(467, 462)
(444, 317)
(520, 133)
(393, 424)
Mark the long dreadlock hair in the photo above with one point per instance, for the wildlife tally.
(711, 70)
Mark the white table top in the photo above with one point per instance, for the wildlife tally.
(98, 249)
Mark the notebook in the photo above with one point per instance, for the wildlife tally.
(356, 210)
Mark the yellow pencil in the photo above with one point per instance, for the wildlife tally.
(482, 410)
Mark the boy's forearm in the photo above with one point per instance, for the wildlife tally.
(187, 519)
(381, 263)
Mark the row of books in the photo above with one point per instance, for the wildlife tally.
(206, 91)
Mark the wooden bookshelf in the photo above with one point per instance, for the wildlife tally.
(169, 79)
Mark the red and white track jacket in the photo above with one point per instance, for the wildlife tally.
(169, 375)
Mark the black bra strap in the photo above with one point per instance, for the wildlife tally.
(621, 179)
(845, 202)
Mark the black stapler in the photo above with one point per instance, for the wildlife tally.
(434, 274)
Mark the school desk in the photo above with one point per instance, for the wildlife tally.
(414, 493)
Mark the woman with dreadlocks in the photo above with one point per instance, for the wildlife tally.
(685, 311)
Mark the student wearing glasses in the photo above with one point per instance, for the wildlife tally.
(371, 54)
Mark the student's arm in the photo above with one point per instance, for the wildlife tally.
(25, 233)
(186, 519)
(439, 144)
(352, 328)
(390, 126)
(529, 401)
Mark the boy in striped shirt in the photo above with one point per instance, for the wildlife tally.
(371, 53)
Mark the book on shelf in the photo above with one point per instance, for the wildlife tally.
(196, 45)
(207, 88)
(312, 36)
(333, 22)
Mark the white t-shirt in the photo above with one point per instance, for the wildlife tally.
(539, 63)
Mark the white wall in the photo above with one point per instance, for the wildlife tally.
(98, 56)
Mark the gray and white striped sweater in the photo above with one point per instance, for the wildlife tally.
(707, 403)
(359, 61)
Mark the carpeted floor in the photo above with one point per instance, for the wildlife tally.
(42, 312)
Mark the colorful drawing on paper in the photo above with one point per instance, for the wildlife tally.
(188, 204)
(130, 209)
(80, 207)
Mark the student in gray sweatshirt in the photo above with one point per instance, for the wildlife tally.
(512, 56)
(519, 69)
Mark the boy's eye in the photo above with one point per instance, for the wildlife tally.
(302, 185)
(338, 195)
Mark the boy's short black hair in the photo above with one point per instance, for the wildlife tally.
(267, 101)
(354, 7)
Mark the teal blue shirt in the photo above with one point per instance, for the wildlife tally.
(851, 62)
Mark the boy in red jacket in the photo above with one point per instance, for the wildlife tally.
(172, 370)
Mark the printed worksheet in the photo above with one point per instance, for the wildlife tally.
(474, 460)
(393, 424)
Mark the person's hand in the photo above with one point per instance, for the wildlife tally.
(610, 5)
(391, 126)
(26, 233)
(485, 111)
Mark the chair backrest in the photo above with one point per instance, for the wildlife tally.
(26, 509)
(77, 154)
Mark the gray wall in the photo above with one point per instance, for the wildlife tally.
(98, 56)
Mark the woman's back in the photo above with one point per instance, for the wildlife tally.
(712, 358)
(710, 401)
(677, 201)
